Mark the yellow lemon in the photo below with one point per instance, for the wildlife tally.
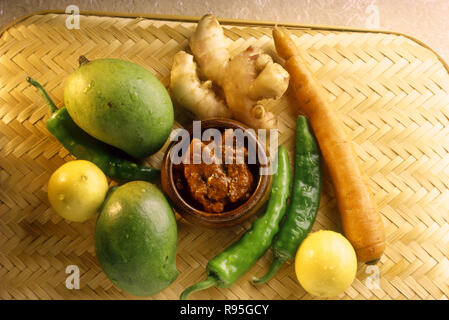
(325, 264)
(77, 189)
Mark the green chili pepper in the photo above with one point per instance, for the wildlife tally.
(231, 264)
(304, 202)
(112, 161)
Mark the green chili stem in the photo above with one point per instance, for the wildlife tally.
(44, 94)
(209, 282)
(277, 263)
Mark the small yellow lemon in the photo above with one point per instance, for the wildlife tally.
(77, 189)
(325, 264)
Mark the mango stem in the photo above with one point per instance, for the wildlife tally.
(82, 60)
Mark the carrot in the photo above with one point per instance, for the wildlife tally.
(361, 221)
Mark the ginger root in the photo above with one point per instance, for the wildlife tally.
(246, 79)
(194, 95)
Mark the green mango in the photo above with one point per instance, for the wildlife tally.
(121, 104)
(135, 239)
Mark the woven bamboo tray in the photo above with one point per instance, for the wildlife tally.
(391, 91)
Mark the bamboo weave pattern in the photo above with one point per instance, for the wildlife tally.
(391, 92)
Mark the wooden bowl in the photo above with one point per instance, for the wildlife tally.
(196, 216)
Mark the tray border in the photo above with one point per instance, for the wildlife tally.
(227, 21)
